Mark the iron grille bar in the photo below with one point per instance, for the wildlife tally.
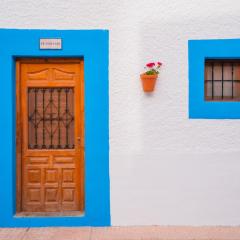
(212, 80)
(59, 129)
(29, 91)
(43, 119)
(232, 80)
(35, 120)
(222, 80)
(66, 110)
(51, 117)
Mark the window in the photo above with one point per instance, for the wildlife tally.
(214, 78)
(222, 80)
(51, 118)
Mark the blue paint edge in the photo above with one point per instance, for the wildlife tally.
(93, 46)
(198, 51)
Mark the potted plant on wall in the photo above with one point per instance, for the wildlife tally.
(149, 77)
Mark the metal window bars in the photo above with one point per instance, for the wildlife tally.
(222, 80)
(50, 118)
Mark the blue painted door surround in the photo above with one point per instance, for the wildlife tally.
(92, 45)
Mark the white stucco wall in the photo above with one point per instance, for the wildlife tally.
(164, 168)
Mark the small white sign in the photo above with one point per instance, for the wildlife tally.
(50, 43)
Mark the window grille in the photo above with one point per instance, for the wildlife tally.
(222, 80)
(50, 118)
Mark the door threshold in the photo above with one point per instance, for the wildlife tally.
(50, 214)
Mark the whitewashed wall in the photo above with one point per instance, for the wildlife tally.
(164, 168)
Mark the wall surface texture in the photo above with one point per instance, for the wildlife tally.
(165, 169)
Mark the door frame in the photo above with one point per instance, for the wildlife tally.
(18, 62)
(93, 47)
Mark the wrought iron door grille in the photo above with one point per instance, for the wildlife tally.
(222, 80)
(51, 118)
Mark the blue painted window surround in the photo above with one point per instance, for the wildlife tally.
(92, 45)
(198, 52)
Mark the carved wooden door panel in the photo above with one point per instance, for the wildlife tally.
(51, 119)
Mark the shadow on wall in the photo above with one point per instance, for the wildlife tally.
(164, 110)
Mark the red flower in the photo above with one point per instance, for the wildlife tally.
(150, 65)
(159, 63)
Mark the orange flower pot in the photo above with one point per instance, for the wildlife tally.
(148, 82)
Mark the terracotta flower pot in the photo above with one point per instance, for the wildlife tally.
(148, 82)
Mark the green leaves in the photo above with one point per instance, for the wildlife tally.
(152, 72)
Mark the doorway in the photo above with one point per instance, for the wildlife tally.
(50, 136)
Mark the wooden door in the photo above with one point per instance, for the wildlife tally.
(50, 135)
